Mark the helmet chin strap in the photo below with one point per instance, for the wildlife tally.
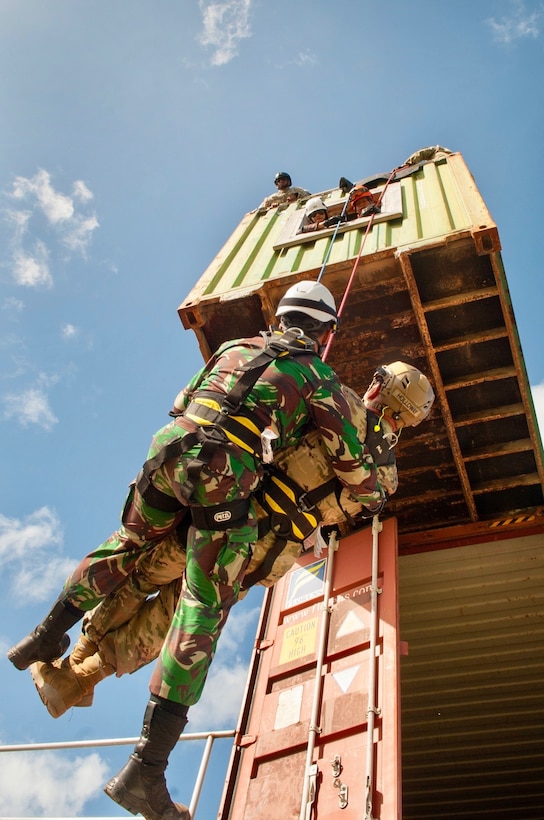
(378, 425)
(392, 438)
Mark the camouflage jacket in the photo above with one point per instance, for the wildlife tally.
(283, 197)
(308, 464)
(294, 392)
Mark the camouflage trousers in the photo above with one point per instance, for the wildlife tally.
(215, 559)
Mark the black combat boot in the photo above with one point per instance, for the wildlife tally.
(48, 641)
(140, 786)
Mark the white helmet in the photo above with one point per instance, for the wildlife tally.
(311, 298)
(402, 388)
(314, 205)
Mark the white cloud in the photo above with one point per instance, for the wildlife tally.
(80, 234)
(30, 553)
(538, 401)
(39, 581)
(225, 23)
(517, 26)
(56, 207)
(241, 621)
(13, 305)
(32, 270)
(48, 784)
(221, 699)
(30, 406)
(69, 331)
(305, 58)
(81, 191)
(68, 224)
(22, 538)
(19, 219)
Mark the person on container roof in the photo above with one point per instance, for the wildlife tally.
(254, 396)
(286, 193)
(362, 202)
(316, 216)
(126, 631)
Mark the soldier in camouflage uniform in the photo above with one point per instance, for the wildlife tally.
(127, 630)
(209, 460)
(285, 194)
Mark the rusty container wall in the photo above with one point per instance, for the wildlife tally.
(426, 286)
(438, 200)
(266, 778)
(421, 282)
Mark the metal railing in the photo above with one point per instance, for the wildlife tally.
(209, 737)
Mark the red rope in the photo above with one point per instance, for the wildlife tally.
(356, 263)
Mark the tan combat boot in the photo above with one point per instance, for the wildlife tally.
(61, 686)
(84, 648)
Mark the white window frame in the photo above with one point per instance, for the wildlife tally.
(391, 208)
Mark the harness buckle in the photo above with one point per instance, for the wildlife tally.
(303, 505)
(227, 408)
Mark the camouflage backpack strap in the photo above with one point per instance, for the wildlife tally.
(289, 343)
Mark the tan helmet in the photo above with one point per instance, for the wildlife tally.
(402, 388)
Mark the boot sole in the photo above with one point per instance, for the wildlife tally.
(117, 792)
(122, 797)
(86, 700)
(15, 657)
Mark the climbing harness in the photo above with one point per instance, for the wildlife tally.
(219, 418)
(291, 514)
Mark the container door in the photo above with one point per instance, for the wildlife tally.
(352, 774)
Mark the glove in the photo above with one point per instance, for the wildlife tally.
(334, 220)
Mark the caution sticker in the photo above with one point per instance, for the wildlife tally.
(299, 640)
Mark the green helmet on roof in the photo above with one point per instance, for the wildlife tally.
(282, 175)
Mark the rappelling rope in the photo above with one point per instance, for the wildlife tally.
(331, 240)
(356, 263)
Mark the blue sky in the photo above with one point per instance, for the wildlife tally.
(135, 135)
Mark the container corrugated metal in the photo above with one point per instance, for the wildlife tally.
(440, 199)
(267, 774)
(472, 684)
(428, 288)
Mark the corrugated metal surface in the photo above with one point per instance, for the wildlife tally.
(437, 200)
(266, 780)
(473, 682)
(430, 289)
